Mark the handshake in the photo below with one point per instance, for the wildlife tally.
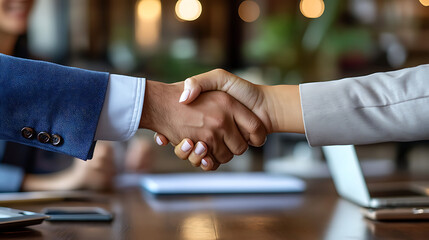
(215, 115)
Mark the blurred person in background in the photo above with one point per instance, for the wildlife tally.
(83, 107)
(30, 169)
(27, 168)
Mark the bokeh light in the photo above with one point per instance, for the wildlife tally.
(184, 48)
(424, 2)
(188, 10)
(249, 11)
(149, 9)
(148, 23)
(312, 8)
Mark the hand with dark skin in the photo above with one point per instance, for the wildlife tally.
(215, 118)
(223, 123)
(278, 107)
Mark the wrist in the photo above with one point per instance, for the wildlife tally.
(283, 104)
(263, 107)
(161, 101)
(150, 109)
(271, 108)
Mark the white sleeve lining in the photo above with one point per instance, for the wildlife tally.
(122, 108)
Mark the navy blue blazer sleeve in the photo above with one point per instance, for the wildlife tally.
(51, 98)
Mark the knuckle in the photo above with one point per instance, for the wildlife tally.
(225, 158)
(215, 122)
(258, 141)
(219, 71)
(255, 125)
(214, 168)
(240, 149)
(262, 143)
(219, 122)
(209, 137)
(225, 99)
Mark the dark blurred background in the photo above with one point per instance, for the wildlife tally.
(270, 39)
(264, 41)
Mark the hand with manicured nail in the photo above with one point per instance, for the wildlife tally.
(278, 107)
(198, 156)
(222, 124)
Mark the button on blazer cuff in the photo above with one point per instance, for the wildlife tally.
(51, 98)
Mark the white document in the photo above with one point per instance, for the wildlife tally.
(221, 182)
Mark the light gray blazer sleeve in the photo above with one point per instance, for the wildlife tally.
(382, 107)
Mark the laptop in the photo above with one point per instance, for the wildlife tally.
(350, 183)
(13, 218)
(220, 183)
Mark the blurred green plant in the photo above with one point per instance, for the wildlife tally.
(299, 46)
(277, 43)
(169, 69)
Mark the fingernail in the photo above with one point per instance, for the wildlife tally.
(187, 83)
(158, 140)
(186, 146)
(204, 163)
(200, 149)
(184, 95)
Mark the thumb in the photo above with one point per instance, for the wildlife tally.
(217, 79)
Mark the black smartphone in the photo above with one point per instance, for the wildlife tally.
(78, 214)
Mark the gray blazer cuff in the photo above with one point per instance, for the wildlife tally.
(381, 107)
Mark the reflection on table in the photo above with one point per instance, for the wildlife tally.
(315, 214)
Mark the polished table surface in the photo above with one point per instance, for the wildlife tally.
(316, 214)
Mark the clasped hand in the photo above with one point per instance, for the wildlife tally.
(209, 127)
(219, 124)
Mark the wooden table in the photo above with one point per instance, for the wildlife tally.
(316, 214)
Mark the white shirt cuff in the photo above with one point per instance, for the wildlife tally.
(122, 109)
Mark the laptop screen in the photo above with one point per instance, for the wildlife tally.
(347, 174)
